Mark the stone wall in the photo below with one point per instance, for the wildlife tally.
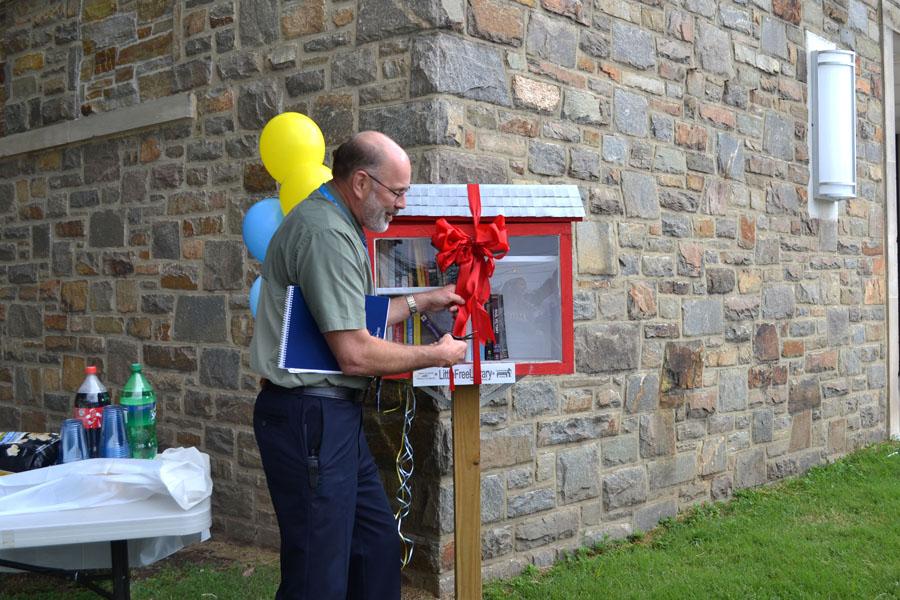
(724, 338)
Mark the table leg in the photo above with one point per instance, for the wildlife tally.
(121, 577)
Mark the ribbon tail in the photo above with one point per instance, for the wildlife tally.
(476, 360)
(452, 382)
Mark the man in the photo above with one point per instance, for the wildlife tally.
(338, 536)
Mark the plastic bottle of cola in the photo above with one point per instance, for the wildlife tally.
(140, 414)
(92, 396)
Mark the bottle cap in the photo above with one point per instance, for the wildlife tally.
(90, 370)
(135, 367)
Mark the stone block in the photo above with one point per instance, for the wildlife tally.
(507, 447)
(303, 19)
(642, 393)
(713, 456)
(24, 321)
(730, 156)
(534, 94)
(773, 38)
(576, 429)
(176, 358)
(778, 302)
(584, 164)
(765, 342)
(530, 503)
(256, 104)
(657, 434)
(101, 162)
(496, 22)
(596, 248)
(585, 108)
(733, 391)
(223, 265)
(682, 367)
(647, 517)
(551, 40)
(496, 542)
(804, 394)
(714, 50)
(750, 468)
(672, 471)
(106, 229)
(533, 398)
(439, 166)
(778, 136)
(435, 121)
(607, 347)
(493, 498)
(630, 113)
(200, 319)
(577, 474)
(544, 530)
(220, 368)
(762, 426)
(624, 488)
(782, 198)
(305, 82)
(546, 159)
(632, 45)
(639, 194)
(702, 317)
(166, 240)
(443, 64)
(258, 22)
(380, 19)
(354, 68)
(838, 326)
(620, 450)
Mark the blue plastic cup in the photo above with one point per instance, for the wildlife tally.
(113, 441)
(73, 441)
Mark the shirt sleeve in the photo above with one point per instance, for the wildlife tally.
(333, 283)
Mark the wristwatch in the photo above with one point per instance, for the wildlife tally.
(411, 303)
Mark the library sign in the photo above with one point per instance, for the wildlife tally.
(492, 373)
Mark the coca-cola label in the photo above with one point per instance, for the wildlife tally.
(91, 418)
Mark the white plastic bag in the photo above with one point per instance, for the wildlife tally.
(182, 473)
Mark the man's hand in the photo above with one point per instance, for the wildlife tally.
(451, 350)
(444, 298)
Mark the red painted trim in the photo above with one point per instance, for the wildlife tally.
(409, 227)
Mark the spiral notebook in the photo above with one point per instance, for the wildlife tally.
(303, 347)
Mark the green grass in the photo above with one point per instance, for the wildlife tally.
(834, 533)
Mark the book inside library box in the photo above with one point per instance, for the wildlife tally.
(526, 302)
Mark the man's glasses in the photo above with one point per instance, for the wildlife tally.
(396, 193)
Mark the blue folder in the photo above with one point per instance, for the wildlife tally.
(303, 347)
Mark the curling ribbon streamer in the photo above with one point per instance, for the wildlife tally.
(475, 256)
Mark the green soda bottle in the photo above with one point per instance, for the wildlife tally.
(140, 414)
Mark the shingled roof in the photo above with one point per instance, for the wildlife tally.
(452, 200)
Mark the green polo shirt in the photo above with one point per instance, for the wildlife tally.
(319, 248)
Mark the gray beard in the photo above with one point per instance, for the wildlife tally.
(374, 216)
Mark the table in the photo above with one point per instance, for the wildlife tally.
(72, 544)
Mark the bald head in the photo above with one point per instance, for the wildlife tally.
(367, 150)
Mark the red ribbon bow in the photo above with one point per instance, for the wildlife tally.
(475, 256)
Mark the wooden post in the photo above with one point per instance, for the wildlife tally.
(467, 491)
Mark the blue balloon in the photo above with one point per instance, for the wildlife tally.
(254, 295)
(260, 224)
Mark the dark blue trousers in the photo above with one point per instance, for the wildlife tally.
(338, 536)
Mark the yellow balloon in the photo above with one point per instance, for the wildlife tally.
(300, 184)
(288, 140)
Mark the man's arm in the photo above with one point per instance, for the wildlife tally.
(359, 353)
(444, 298)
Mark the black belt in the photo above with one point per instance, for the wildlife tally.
(339, 392)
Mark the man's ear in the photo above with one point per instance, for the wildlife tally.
(358, 182)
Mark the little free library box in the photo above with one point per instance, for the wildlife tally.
(530, 308)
